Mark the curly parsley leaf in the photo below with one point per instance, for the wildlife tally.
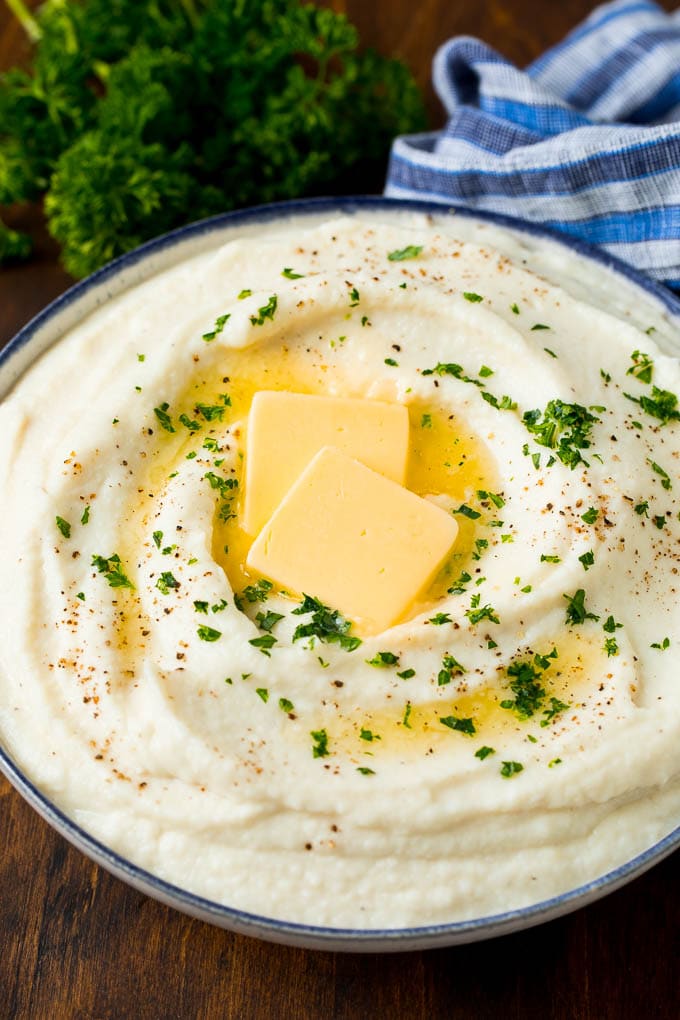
(411, 251)
(326, 624)
(112, 569)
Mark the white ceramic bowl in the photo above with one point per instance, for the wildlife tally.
(61, 316)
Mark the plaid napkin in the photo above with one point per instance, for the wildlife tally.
(585, 140)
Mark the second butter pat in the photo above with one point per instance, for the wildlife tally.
(285, 430)
(354, 539)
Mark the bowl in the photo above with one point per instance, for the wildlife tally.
(69, 309)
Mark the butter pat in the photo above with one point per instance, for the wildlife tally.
(354, 539)
(285, 430)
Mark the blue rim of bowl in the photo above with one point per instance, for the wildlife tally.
(292, 933)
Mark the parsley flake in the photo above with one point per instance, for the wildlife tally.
(163, 417)
(576, 609)
(320, 746)
(411, 251)
(266, 312)
(217, 328)
(166, 582)
(453, 722)
(206, 633)
(326, 624)
(63, 526)
(112, 569)
(484, 752)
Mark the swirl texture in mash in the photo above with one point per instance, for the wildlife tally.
(513, 736)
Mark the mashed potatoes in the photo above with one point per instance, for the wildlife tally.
(514, 735)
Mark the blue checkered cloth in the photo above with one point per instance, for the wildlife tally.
(586, 140)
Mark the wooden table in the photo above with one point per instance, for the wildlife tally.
(76, 943)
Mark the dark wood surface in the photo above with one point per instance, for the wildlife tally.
(77, 943)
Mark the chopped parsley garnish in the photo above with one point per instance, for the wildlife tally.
(392, 362)
(539, 325)
(451, 368)
(476, 613)
(662, 645)
(426, 421)
(642, 508)
(565, 428)
(368, 735)
(611, 646)
(163, 417)
(63, 526)
(658, 470)
(526, 685)
(514, 308)
(80, 595)
(406, 674)
(320, 746)
(189, 423)
(213, 412)
(85, 517)
(326, 624)
(439, 619)
(354, 297)
(453, 722)
(466, 511)
(511, 768)
(548, 351)
(659, 522)
(217, 328)
(553, 762)
(267, 621)
(206, 633)
(258, 592)
(550, 559)
(484, 752)
(505, 403)
(588, 559)
(264, 643)
(590, 516)
(610, 626)
(642, 367)
(157, 538)
(200, 606)
(285, 705)
(480, 545)
(365, 771)
(167, 581)
(383, 659)
(407, 715)
(485, 372)
(244, 294)
(556, 706)
(457, 588)
(266, 312)
(662, 405)
(112, 569)
(291, 275)
(451, 668)
(472, 297)
(494, 497)
(576, 608)
(411, 251)
(263, 693)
